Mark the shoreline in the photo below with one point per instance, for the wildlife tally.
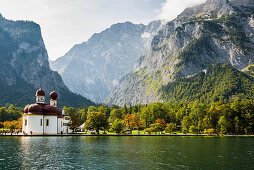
(168, 135)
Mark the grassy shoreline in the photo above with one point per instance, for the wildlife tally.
(82, 134)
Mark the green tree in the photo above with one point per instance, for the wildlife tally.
(125, 110)
(236, 125)
(213, 115)
(130, 109)
(193, 129)
(223, 125)
(96, 121)
(117, 125)
(70, 110)
(92, 109)
(83, 114)
(158, 110)
(171, 127)
(74, 122)
(3, 114)
(149, 130)
(106, 110)
(197, 114)
(146, 116)
(115, 114)
(186, 123)
(157, 127)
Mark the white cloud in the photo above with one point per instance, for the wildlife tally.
(171, 8)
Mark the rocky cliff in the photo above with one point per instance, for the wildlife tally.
(24, 66)
(93, 68)
(217, 31)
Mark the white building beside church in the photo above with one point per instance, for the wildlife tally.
(41, 118)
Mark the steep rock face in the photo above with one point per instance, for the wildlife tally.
(24, 66)
(94, 67)
(217, 31)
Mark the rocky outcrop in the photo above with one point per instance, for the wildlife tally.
(217, 31)
(93, 68)
(24, 66)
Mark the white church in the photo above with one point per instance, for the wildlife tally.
(41, 118)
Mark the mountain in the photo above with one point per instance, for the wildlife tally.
(216, 31)
(219, 82)
(24, 66)
(93, 68)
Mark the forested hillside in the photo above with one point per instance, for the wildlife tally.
(219, 82)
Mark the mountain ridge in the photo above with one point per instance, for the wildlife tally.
(94, 67)
(185, 46)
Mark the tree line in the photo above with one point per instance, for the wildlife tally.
(10, 117)
(236, 117)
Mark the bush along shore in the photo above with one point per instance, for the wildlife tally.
(218, 118)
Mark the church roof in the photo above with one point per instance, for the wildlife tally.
(53, 95)
(40, 92)
(42, 109)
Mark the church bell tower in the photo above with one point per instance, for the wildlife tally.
(53, 100)
(40, 96)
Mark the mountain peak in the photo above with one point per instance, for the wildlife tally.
(104, 59)
(216, 31)
(216, 7)
(125, 25)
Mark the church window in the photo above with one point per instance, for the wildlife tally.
(47, 122)
(67, 118)
(25, 122)
(61, 123)
(41, 122)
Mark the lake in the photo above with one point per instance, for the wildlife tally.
(130, 152)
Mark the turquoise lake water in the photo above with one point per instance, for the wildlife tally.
(100, 152)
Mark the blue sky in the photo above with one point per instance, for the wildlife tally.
(65, 23)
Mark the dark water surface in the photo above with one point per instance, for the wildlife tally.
(100, 152)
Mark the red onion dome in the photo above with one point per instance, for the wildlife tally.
(26, 109)
(53, 95)
(40, 92)
(35, 108)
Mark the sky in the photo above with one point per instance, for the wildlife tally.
(65, 23)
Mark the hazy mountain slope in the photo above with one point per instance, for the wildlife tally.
(24, 66)
(217, 31)
(94, 67)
